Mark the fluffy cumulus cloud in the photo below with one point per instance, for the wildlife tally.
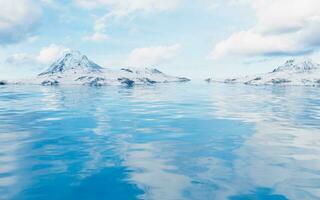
(46, 56)
(49, 54)
(18, 19)
(152, 56)
(284, 27)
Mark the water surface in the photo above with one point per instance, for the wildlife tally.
(168, 142)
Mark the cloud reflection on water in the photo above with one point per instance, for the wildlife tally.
(163, 142)
(283, 152)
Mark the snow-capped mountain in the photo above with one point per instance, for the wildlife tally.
(72, 60)
(76, 69)
(292, 72)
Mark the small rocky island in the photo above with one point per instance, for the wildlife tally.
(76, 69)
(291, 73)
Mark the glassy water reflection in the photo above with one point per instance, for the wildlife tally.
(176, 141)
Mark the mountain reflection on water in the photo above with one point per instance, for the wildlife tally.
(170, 141)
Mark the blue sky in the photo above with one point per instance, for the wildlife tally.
(197, 39)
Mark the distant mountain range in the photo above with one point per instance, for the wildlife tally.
(73, 68)
(291, 73)
(76, 69)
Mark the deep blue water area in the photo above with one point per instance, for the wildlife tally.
(161, 142)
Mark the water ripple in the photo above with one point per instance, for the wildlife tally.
(175, 141)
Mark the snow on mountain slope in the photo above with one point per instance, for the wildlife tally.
(72, 60)
(291, 73)
(76, 69)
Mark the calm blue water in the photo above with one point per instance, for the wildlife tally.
(165, 142)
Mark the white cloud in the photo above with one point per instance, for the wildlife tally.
(48, 2)
(125, 7)
(20, 59)
(151, 56)
(49, 54)
(97, 37)
(18, 18)
(251, 43)
(121, 8)
(32, 39)
(284, 27)
(99, 31)
(46, 56)
(218, 3)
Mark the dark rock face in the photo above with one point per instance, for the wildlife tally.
(50, 83)
(98, 81)
(183, 79)
(92, 81)
(155, 71)
(257, 79)
(230, 80)
(127, 70)
(84, 78)
(306, 81)
(147, 81)
(280, 81)
(252, 81)
(3, 83)
(126, 81)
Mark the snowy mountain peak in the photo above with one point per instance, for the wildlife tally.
(74, 68)
(292, 72)
(72, 60)
(298, 66)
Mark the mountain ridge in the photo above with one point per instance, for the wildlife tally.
(74, 68)
(72, 60)
(292, 72)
